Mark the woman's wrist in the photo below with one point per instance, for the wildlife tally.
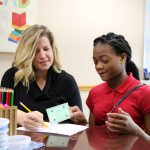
(20, 117)
(78, 118)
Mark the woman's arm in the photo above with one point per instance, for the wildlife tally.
(74, 98)
(77, 116)
(20, 117)
(31, 120)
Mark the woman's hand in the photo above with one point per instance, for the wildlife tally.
(77, 116)
(32, 120)
(122, 123)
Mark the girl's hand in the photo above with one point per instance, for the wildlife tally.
(32, 120)
(121, 122)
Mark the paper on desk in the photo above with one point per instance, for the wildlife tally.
(64, 129)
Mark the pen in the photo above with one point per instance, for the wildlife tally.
(25, 107)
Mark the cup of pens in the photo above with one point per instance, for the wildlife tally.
(7, 108)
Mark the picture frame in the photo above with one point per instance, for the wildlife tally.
(15, 17)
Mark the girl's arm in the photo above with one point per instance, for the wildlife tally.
(122, 122)
(91, 119)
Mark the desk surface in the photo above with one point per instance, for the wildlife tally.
(93, 138)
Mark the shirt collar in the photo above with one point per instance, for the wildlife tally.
(123, 86)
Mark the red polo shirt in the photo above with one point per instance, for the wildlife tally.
(102, 98)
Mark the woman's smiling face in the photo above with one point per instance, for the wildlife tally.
(43, 59)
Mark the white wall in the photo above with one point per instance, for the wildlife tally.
(5, 62)
(75, 24)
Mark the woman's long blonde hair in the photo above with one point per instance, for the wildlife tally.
(25, 53)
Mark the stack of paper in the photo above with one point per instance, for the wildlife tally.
(64, 129)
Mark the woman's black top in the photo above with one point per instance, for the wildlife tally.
(59, 88)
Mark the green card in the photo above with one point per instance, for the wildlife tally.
(58, 113)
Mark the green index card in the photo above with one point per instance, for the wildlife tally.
(58, 113)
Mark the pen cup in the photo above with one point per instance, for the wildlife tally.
(11, 114)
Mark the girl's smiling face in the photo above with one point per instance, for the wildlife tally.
(107, 64)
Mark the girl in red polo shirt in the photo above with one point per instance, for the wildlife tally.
(112, 58)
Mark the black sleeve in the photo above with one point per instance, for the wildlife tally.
(75, 98)
(8, 78)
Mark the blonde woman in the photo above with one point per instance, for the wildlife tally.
(38, 79)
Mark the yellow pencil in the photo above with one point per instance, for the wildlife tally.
(25, 107)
